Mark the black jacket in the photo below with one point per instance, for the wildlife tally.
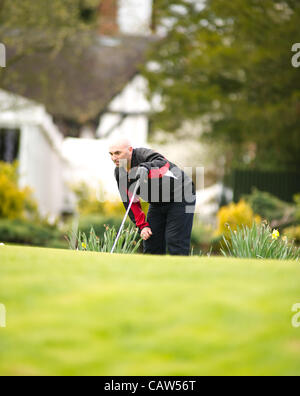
(166, 183)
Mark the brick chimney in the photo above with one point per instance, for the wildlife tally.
(154, 16)
(108, 19)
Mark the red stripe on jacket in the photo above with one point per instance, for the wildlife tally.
(158, 173)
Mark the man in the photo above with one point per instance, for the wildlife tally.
(170, 192)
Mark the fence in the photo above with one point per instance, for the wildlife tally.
(281, 184)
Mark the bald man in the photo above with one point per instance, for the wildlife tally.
(170, 192)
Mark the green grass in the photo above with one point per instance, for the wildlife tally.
(76, 313)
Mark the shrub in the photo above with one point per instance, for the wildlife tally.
(24, 232)
(235, 215)
(259, 241)
(98, 222)
(293, 233)
(268, 206)
(89, 204)
(87, 201)
(128, 243)
(202, 237)
(297, 201)
(16, 203)
(113, 209)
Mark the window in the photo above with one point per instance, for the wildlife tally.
(9, 144)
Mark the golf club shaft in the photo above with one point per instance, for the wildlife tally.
(127, 212)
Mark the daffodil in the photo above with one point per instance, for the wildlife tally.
(83, 245)
(275, 234)
(285, 239)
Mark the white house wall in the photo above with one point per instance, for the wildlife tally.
(131, 101)
(133, 128)
(133, 98)
(41, 164)
(41, 168)
(91, 164)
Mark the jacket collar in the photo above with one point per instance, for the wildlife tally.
(133, 160)
(133, 165)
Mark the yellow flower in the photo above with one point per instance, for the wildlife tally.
(275, 234)
(285, 239)
(83, 245)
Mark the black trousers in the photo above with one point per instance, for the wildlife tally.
(171, 228)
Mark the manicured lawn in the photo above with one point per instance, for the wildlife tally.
(71, 313)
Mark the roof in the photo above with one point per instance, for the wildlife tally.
(76, 84)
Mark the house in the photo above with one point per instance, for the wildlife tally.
(79, 98)
(28, 134)
(60, 122)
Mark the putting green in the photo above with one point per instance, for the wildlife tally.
(75, 313)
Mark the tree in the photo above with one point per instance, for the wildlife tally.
(35, 27)
(230, 63)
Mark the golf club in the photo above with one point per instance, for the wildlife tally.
(127, 212)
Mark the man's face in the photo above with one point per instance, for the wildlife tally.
(120, 152)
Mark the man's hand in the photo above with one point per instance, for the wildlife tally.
(146, 233)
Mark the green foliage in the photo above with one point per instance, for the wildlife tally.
(128, 243)
(202, 238)
(229, 63)
(293, 233)
(88, 203)
(16, 203)
(45, 14)
(24, 232)
(258, 242)
(53, 21)
(98, 222)
(297, 201)
(268, 206)
(43, 27)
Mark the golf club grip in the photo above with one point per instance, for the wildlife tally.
(125, 217)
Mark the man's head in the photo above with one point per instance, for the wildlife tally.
(121, 151)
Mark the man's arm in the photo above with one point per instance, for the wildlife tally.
(136, 214)
(156, 164)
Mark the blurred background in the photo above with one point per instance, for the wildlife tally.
(207, 83)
